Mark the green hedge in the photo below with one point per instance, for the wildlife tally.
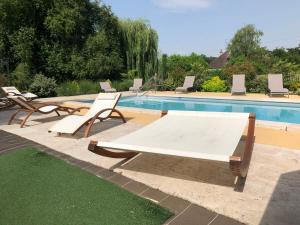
(82, 87)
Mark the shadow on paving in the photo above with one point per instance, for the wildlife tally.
(98, 127)
(283, 207)
(205, 171)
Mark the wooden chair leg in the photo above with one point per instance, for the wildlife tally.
(57, 112)
(15, 114)
(120, 115)
(26, 118)
(240, 165)
(88, 129)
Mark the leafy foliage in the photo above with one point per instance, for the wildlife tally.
(215, 84)
(122, 85)
(81, 87)
(21, 76)
(73, 40)
(140, 44)
(258, 85)
(43, 86)
(245, 42)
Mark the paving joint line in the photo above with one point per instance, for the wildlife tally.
(176, 216)
(213, 219)
(126, 183)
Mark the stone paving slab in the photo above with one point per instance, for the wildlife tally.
(185, 212)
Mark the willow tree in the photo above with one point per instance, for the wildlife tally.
(140, 45)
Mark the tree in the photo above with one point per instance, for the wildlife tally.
(164, 66)
(246, 42)
(140, 43)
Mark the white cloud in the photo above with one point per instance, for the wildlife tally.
(182, 5)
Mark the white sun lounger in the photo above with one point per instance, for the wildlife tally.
(238, 84)
(13, 91)
(102, 108)
(200, 135)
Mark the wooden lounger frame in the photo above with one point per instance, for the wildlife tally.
(92, 121)
(37, 109)
(238, 165)
(89, 123)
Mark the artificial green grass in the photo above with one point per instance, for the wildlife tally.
(36, 188)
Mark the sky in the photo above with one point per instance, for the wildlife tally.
(206, 26)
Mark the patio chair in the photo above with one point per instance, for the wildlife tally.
(238, 84)
(193, 134)
(187, 85)
(30, 109)
(275, 85)
(13, 91)
(105, 86)
(137, 85)
(101, 110)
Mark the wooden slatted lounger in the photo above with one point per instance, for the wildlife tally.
(102, 109)
(200, 135)
(30, 109)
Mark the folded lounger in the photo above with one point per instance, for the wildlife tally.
(30, 109)
(102, 109)
(105, 86)
(137, 85)
(199, 135)
(238, 84)
(15, 92)
(187, 85)
(275, 85)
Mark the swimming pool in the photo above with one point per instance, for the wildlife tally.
(264, 110)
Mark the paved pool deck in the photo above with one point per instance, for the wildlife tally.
(270, 195)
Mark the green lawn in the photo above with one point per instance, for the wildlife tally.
(36, 188)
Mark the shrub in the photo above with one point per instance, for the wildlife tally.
(81, 87)
(258, 85)
(122, 85)
(68, 88)
(3, 83)
(88, 87)
(215, 84)
(21, 77)
(246, 68)
(132, 74)
(43, 86)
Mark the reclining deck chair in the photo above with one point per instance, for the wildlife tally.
(30, 109)
(105, 86)
(137, 85)
(275, 85)
(102, 109)
(238, 84)
(187, 85)
(194, 134)
(13, 91)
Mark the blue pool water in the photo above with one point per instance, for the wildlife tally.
(271, 111)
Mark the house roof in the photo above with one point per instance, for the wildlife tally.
(219, 62)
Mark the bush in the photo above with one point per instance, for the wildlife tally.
(258, 85)
(3, 83)
(215, 84)
(68, 88)
(43, 86)
(82, 87)
(122, 85)
(21, 77)
(246, 68)
(88, 87)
